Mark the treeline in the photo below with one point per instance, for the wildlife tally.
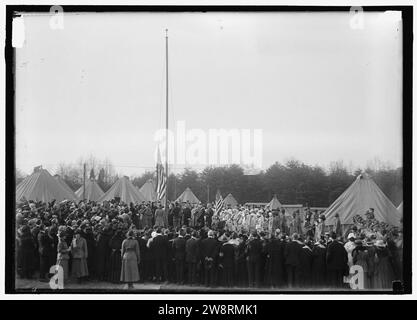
(293, 182)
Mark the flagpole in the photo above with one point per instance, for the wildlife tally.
(166, 121)
(84, 182)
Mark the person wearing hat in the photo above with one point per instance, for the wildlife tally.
(292, 260)
(304, 268)
(349, 247)
(208, 215)
(26, 252)
(47, 253)
(145, 266)
(177, 215)
(79, 252)
(63, 251)
(130, 260)
(336, 262)
(160, 217)
(253, 258)
(337, 227)
(361, 258)
(147, 217)
(115, 260)
(192, 251)
(227, 261)
(88, 235)
(209, 253)
(159, 250)
(275, 261)
(178, 247)
(102, 250)
(318, 264)
(383, 273)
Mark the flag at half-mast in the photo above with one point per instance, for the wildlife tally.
(161, 179)
(219, 202)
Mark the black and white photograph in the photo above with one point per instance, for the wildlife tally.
(208, 150)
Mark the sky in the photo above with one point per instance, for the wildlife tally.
(319, 90)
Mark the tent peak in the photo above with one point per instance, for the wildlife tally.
(363, 175)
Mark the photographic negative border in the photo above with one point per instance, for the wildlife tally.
(407, 50)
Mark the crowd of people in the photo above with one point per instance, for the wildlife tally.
(196, 246)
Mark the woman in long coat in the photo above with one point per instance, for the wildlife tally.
(361, 257)
(79, 253)
(304, 268)
(102, 252)
(383, 273)
(115, 261)
(160, 217)
(63, 254)
(130, 260)
(275, 259)
(318, 267)
(27, 252)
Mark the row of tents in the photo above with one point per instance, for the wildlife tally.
(42, 186)
(361, 195)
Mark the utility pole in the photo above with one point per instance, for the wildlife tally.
(84, 183)
(208, 193)
(166, 122)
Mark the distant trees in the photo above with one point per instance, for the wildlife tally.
(73, 174)
(293, 182)
(140, 180)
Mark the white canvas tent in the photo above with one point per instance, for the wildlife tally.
(42, 186)
(400, 209)
(230, 201)
(362, 195)
(125, 190)
(63, 183)
(274, 203)
(187, 196)
(148, 191)
(93, 191)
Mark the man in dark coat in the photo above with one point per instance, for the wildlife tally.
(318, 267)
(210, 252)
(144, 265)
(27, 252)
(186, 215)
(192, 251)
(253, 258)
(208, 215)
(176, 215)
(178, 246)
(336, 262)
(275, 256)
(159, 247)
(227, 261)
(102, 252)
(304, 268)
(88, 235)
(241, 265)
(292, 260)
(46, 252)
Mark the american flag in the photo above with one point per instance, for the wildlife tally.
(219, 202)
(161, 180)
